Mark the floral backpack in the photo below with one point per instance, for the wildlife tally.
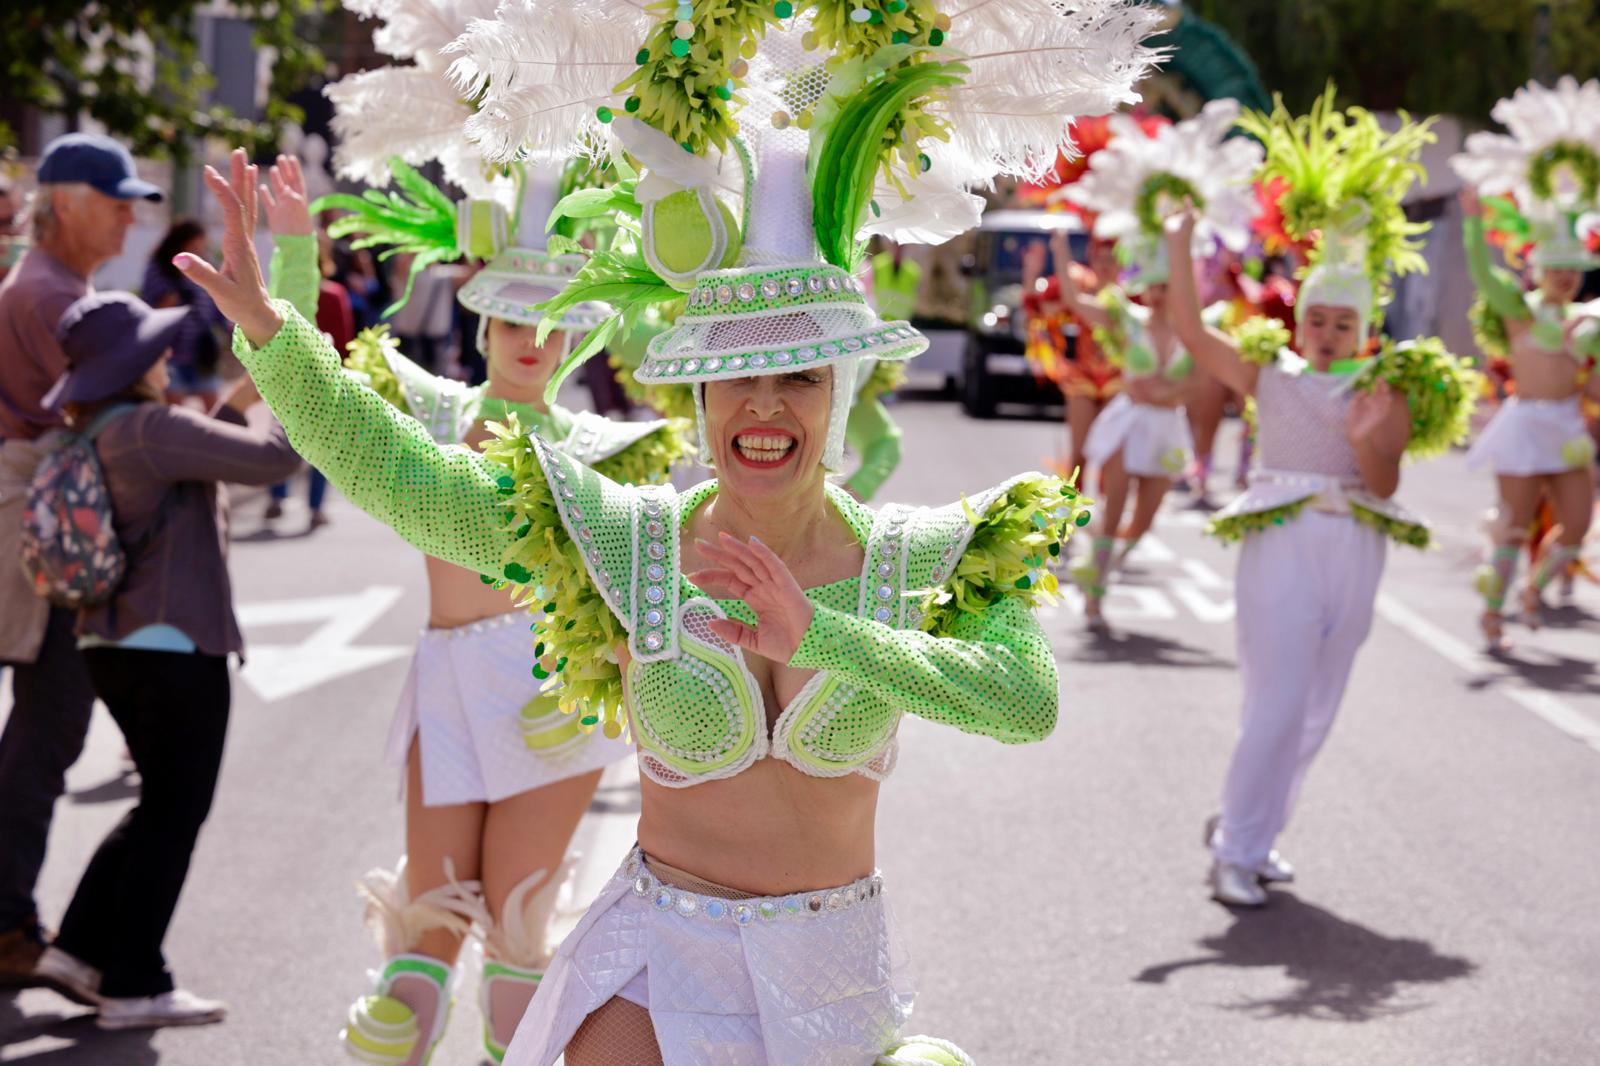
(70, 551)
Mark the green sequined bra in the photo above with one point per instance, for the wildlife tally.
(938, 624)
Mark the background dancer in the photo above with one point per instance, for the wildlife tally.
(1142, 440)
(1537, 442)
(1331, 434)
(496, 777)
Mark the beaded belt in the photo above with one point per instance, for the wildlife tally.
(1329, 490)
(665, 897)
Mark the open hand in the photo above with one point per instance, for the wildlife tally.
(753, 573)
(1033, 259)
(1179, 225)
(1373, 420)
(237, 287)
(287, 212)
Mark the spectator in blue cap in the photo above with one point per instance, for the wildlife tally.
(79, 218)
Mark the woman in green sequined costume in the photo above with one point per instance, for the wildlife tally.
(761, 634)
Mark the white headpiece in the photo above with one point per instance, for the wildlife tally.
(1137, 179)
(854, 119)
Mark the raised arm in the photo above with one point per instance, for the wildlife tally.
(1210, 347)
(1497, 286)
(445, 500)
(873, 435)
(295, 274)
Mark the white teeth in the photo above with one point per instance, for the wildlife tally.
(763, 448)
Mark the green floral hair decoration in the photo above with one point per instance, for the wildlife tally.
(852, 152)
(419, 220)
(1162, 189)
(1333, 160)
(687, 86)
(1579, 158)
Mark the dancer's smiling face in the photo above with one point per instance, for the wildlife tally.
(518, 363)
(1328, 334)
(767, 433)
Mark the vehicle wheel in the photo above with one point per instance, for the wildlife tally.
(977, 391)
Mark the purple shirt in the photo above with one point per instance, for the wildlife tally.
(33, 297)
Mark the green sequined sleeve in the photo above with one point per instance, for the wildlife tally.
(296, 275)
(1498, 288)
(443, 499)
(871, 432)
(993, 674)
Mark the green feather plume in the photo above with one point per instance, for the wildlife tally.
(846, 165)
(1334, 160)
(420, 220)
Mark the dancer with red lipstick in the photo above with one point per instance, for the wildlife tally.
(496, 777)
(762, 633)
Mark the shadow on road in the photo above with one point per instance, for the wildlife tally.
(70, 1039)
(1144, 648)
(1550, 673)
(1339, 970)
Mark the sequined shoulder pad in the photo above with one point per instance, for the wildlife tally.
(935, 539)
(444, 406)
(627, 535)
(595, 438)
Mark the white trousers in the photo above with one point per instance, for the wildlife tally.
(1304, 592)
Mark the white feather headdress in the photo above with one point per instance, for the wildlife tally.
(1129, 180)
(412, 112)
(1549, 158)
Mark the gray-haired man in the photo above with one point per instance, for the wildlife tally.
(80, 217)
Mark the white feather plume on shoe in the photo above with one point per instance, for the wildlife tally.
(524, 936)
(398, 921)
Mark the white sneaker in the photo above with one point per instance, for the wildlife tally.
(1237, 886)
(178, 1007)
(69, 975)
(1277, 870)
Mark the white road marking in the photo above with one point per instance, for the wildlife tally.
(1574, 723)
(277, 671)
(1191, 593)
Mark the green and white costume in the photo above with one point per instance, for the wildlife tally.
(1541, 184)
(762, 105)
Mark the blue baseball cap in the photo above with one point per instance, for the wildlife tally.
(96, 161)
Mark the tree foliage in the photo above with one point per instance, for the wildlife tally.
(136, 68)
(1424, 56)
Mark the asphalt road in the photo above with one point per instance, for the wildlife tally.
(1448, 840)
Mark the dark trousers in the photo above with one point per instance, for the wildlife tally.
(51, 702)
(173, 710)
(316, 494)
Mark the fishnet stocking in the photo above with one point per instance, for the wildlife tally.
(618, 1033)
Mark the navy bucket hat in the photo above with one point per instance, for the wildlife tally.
(110, 340)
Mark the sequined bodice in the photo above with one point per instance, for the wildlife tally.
(1300, 421)
(695, 709)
